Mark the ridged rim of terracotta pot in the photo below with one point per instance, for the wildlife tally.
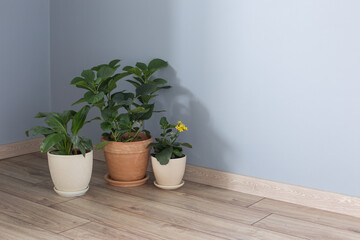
(128, 161)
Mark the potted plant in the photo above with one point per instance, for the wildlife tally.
(169, 161)
(70, 156)
(123, 113)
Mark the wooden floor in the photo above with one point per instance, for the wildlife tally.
(30, 209)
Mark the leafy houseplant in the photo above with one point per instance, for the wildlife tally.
(70, 156)
(168, 160)
(123, 113)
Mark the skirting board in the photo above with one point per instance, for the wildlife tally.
(304, 196)
(20, 148)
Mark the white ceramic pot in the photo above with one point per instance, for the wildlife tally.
(170, 174)
(70, 174)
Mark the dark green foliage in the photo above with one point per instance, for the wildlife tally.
(57, 136)
(166, 147)
(122, 112)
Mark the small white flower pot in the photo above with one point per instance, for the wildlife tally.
(71, 174)
(169, 176)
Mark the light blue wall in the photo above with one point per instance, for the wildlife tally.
(24, 66)
(269, 89)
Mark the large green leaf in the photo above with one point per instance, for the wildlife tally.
(147, 115)
(50, 141)
(106, 126)
(135, 84)
(142, 66)
(105, 72)
(81, 100)
(66, 116)
(40, 130)
(156, 64)
(122, 98)
(88, 75)
(159, 81)
(187, 145)
(55, 122)
(92, 98)
(139, 110)
(79, 119)
(108, 114)
(76, 80)
(146, 89)
(114, 62)
(124, 120)
(87, 143)
(164, 156)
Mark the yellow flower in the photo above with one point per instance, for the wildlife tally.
(181, 127)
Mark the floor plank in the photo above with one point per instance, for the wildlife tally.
(183, 217)
(309, 214)
(189, 202)
(305, 229)
(38, 192)
(120, 219)
(39, 215)
(15, 229)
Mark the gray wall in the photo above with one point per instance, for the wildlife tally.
(268, 89)
(24, 66)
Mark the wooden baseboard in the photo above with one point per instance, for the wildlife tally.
(304, 196)
(20, 148)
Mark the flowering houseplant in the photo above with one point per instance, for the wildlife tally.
(166, 147)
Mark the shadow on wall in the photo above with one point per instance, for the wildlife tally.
(209, 147)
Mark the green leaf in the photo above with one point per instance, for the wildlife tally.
(95, 118)
(159, 81)
(50, 141)
(127, 68)
(164, 122)
(88, 75)
(87, 143)
(135, 71)
(55, 122)
(146, 89)
(42, 115)
(156, 64)
(106, 126)
(66, 116)
(114, 62)
(133, 83)
(122, 98)
(186, 145)
(178, 153)
(76, 80)
(124, 120)
(109, 114)
(139, 110)
(81, 100)
(164, 156)
(79, 119)
(147, 115)
(40, 130)
(102, 144)
(105, 72)
(142, 66)
(94, 98)
(97, 68)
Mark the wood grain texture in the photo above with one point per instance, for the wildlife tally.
(313, 198)
(121, 219)
(16, 229)
(186, 217)
(309, 214)
(38, 215)
(189, 202)
(20, 148)
(96, 231)
(305, 229)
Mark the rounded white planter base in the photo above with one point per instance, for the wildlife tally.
(71, 194)
(166, 187)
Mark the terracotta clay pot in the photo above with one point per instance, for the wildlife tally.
(128, 161)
